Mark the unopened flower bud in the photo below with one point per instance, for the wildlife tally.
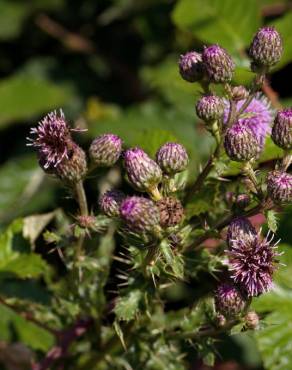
(171, 211)
(266, 48)
(242, 201)
(210, 108)
(282, 129)
(252, 320)
(218, 64)
(143, 173)
(140, 214)
(241, 144)
(172, 158)
(239, 229)
(228, 300)
(73, 168)
(239, 93)
(110, 202)
(105, 150)
(190, 66)
(279, 186)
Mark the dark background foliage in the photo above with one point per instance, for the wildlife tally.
(112, 67)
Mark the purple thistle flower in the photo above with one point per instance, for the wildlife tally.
(252, 261)
(239, 228)
(53, 139)
(190, 66)
(279, 186)
(111, 201)
(218, 64)
(172, 158)
(143, 173)
(105, 150)
(240, 143)
(209, 108)
(266, 48)
(282, 129)
(228, 300)
(258, 117)
(140, 214)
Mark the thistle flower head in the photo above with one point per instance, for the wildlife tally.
(240, 228)
(52, 139)
(282, 129)
(279, 186)
(172, 158)
(110, 202)
(252, 262)
(73, 167)
(228, 300)
(171, 211)
(240, 143)
(190, 66)
(105, 150)
(143, 173)
(266, 48)
(210, 108)
(258, 117)
(140, 214)
(218, 64)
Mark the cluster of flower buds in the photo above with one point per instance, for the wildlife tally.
(141, 214)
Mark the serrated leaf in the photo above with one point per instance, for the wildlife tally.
(34, 225)
(174, 262)
(127, 306)
(272, 220)
(120, 333)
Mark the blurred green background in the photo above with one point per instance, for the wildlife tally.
(112, 67)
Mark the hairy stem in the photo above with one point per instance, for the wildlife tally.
(82, 201)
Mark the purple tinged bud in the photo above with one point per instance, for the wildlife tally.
(279, 186)
(239, 93)
(73, 168)
(258, 117)
(190, 66)
(252, 262)
(110, 202)
(140, 214)
(266, 48)
(242, 201)
(218, 64)
(228, 300)
(210, 108)
(282, 129)
(105, 150)
(143, 173)
(172, 158)
(240, 143)
(239, 228)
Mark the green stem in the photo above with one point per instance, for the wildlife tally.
(196, 187)
(82, 201)
(287, 160)
(249, 172)
(81, 198)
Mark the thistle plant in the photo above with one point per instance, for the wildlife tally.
(159, 240)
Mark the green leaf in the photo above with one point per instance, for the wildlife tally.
(127, 306)
(34, 225)
(32, 96)
(12, 15)
(174, 262)
(272, 220)
(226, 22)
(23, 187)
(26, 332)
